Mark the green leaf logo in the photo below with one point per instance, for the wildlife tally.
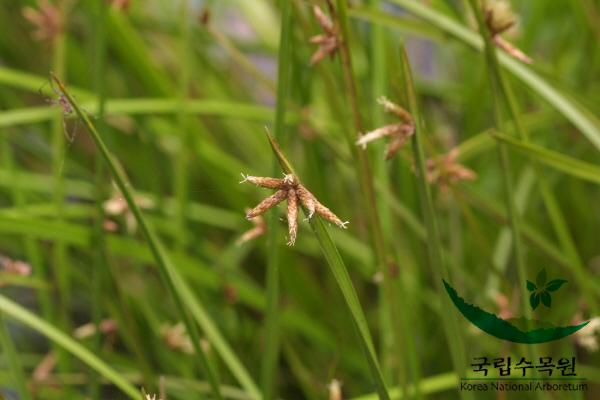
(540, 290)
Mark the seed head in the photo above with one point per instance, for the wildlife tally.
(398, 133)
(176, 338)
(14, 267)
(43, 370)
(47, 20)
(290, 188)
(499, 17)
(446, 171)
(396, 144)
(328, 41)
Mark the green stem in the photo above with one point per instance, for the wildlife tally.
(361, 157)
(434, 245)
(59, 257)
(269, 371)
(497, 86)
(168, 271)
(394, 323)
(182, 156)
(342, 277)
(388, 301)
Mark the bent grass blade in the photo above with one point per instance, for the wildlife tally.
(183, 296)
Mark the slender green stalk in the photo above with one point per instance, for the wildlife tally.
(434, 245)
(388, 300)
(497, 86)
(15, 311)
(269, 371)
(361, 157)
(394, 323)
(100, 266)
(555, 160)
(182, 156)
(60, 263)
(168, 271)
(340, 272)
(495, 81)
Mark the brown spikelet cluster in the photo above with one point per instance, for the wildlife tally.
(289, 188)
(398, 133)
(176, 338)
(117, 206)
(499, 17)
(446, 171)
(106, 327)
(47, 20)
(328, 41)
(14, 267)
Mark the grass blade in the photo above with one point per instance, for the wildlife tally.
(340, 272)
(15, 311)
(553, 159)
(434, 245)
(168, 271)
(269, 367)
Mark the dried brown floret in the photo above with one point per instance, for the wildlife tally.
(446, 171)
(329, 216)
(269, 183)
(398, 133)
(259, 229)
(292, 216)
(47, 19)
(307, 199)
(328, 41)
(15, 267)
(396, 144)
(267, 203)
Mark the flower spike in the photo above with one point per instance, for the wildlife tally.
(398, 133)
(289, 188)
